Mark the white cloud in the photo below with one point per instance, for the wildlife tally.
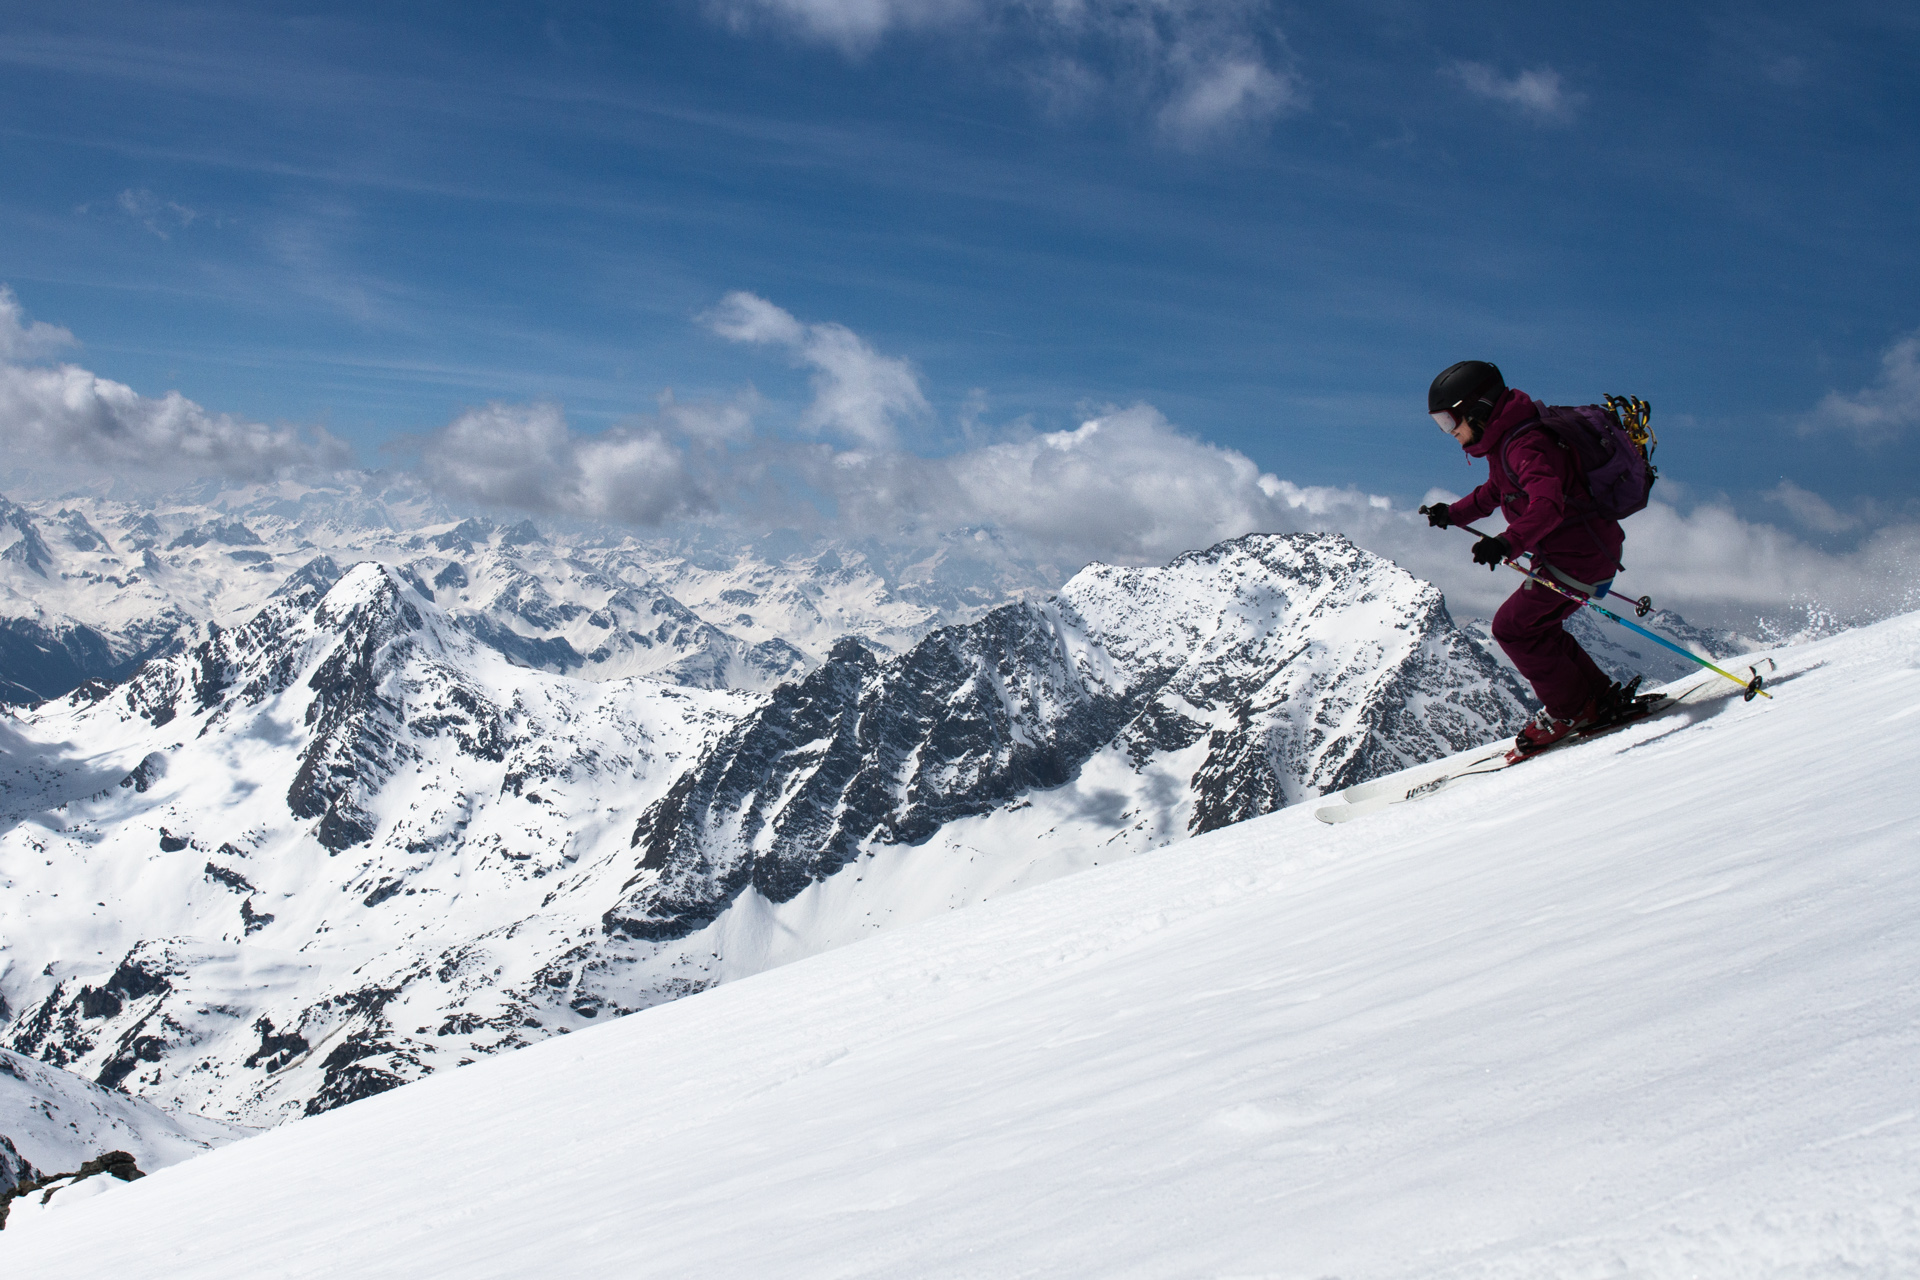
(858, 393)
(1223, 93)
(64, 416)
(1707, 562)
(1128, 487)
(1195, 68)
(1810, 509)
(527, 458)
(853, 26)
(745, 317)
(1709, 558)
(1880, 412)
(1125, 487)
(710, 422)
(1537, 93)
(21, 340)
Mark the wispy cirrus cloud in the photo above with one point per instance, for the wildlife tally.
(1194, 68)
(138, 205)
(853, 26)
(1538, 93)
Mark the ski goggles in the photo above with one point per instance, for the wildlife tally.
(1446, 419)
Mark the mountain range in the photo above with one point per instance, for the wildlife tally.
(90, 587)
(346, 836)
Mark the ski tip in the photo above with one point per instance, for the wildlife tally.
(1355, 808)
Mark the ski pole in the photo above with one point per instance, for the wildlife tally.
(1641, 606)
(1753, 686)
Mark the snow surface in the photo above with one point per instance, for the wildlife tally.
(1644, 1007)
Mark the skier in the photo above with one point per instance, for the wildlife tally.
(1540, 486)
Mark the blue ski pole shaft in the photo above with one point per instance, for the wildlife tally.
(1641, 607)
(1752, 686)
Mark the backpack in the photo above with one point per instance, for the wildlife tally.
(1613, 445)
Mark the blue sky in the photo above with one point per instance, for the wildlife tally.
(1272, 222)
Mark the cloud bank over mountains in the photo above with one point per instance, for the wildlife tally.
(63, 415)
(1126, 486)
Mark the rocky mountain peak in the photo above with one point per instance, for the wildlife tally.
(1299, 662)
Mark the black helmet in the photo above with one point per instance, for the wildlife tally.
(1469, 389)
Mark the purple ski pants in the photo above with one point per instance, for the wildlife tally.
(1528, 629)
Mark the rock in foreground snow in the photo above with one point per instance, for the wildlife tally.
(52, 1121)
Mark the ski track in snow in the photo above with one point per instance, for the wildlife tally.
(1645, 1008)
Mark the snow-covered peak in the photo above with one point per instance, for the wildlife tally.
(1265, 586)
(1142, 706)
(228, 876)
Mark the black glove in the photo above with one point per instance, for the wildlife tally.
(1491, 550)
(1439, 515)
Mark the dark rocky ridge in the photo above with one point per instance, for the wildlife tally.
(864, 752)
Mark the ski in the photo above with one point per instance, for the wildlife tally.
(1639, 709)
(1419, 782)
(1396, 786)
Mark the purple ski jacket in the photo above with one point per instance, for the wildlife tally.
(1544, 495)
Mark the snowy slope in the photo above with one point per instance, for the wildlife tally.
(1644, 1007)
(52, 1120)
